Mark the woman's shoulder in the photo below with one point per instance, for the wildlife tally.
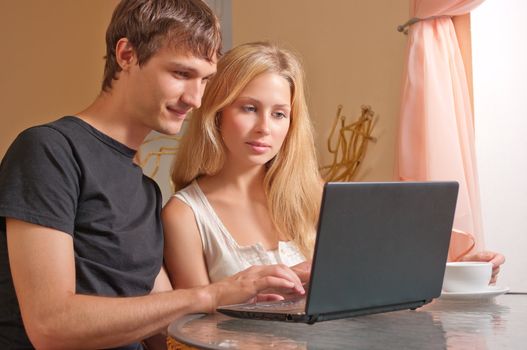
(185, 189)
(186, 204)
(188, 194)
(176, 208)
(181, 203)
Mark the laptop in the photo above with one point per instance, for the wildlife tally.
(380, 247)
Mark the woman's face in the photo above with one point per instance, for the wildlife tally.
(255, 125)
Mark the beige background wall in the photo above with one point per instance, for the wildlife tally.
(51, 58)
(52, 61)
(352, 55)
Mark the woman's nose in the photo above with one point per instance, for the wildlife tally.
(264, 126)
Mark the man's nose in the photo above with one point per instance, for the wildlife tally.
(193, 93)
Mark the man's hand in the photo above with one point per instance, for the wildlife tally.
(303, 271)
(496, 259)
(262, 282)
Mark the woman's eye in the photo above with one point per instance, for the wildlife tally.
(249, 109)
(280, 115)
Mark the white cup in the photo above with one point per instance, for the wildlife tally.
(467, 276)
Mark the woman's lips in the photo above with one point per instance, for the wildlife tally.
(258, 147)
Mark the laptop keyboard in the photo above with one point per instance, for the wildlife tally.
(280, 305)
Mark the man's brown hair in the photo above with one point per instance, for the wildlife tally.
(188, 25)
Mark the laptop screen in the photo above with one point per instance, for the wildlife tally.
(380, 244)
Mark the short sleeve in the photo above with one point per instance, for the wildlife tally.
(39, 180)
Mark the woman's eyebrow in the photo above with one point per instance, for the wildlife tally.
(256, 101)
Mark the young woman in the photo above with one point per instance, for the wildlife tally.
(248, 188)
(246, 175)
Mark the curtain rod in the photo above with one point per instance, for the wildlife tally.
(403, 28)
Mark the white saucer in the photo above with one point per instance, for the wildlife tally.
(490, 292)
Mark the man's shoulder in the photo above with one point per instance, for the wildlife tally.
(66, 126)
(58, 130)
(38, 139)
(68, 134)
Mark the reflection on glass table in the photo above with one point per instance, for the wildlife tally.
(491, 323)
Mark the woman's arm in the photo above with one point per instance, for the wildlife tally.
(496, 259)
(184, 259)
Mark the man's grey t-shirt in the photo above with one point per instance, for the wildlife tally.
(68, 176)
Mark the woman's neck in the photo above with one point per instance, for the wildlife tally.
(241, 183)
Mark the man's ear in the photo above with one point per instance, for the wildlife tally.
(125, 54)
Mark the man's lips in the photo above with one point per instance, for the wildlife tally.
(178, 111)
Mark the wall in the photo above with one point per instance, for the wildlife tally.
(500, 100)
(352, 55)
(52, 60)
(223, 9)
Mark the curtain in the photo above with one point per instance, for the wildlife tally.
(436, 130)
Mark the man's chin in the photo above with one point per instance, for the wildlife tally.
(170, 129)
(169, 132)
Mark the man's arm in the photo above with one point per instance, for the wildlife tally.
(161, 284)
(43, 269)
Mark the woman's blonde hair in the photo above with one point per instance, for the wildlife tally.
(292, 181)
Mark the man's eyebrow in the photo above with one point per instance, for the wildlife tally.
(187, 68)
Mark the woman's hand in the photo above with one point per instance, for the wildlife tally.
(496, 259)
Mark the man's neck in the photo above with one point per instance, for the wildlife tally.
(110, 117)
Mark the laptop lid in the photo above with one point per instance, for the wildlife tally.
(380, 247)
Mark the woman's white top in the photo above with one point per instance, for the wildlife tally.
(223, 255)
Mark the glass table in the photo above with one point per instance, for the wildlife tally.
(497, 323)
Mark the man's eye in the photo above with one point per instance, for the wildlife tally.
(181, 74)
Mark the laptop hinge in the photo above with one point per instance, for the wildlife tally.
(312, 319)
(385, 308)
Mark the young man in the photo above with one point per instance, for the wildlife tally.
(81, 241)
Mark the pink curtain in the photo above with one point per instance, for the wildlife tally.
(436, 130)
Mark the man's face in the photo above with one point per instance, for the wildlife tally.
(162, 92)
